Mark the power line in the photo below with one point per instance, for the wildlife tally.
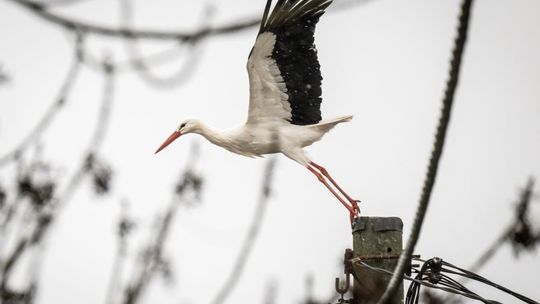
(423, 283)
(432, 275)
(435, 268)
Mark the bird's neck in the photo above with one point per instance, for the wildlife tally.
(218, 138)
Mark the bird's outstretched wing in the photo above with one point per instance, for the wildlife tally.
(284, 72)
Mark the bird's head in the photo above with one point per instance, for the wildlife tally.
(185, 127)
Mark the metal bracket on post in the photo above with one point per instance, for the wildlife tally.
(348, 270)
(377, 243)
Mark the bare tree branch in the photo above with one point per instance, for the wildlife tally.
(50, 114)
(514, 232)
(521, 224)
(49, 3)
(140, 65)
(271, 291)
(74, 25)
(48, 213)
(436, 153)
(4, 77)
(251, 237)
(151, 257)
(125, 226)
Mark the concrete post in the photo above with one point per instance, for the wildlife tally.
(377, 242)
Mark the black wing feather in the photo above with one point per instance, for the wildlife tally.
(293, 22)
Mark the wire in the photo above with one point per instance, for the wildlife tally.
(427, 284)
(434, 271)
(481, 279)
(431, 271)
(436, 153)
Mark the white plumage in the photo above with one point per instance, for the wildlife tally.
(285, 87)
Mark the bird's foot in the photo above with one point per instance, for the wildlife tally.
(355, 212)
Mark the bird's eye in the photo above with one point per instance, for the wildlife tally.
(182, 125)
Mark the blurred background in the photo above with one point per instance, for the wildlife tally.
(88, 214)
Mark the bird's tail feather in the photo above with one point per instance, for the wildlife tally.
(339, 119)
(327, 124)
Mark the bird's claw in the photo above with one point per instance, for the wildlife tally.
(355, 212)
(355, 206)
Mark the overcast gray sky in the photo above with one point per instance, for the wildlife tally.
(385, 61)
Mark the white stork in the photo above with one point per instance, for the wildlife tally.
(285, 94)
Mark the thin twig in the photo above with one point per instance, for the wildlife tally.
(520, 218)
(155, 59)
(152, 254)
(490, 252)
(49, 115)
(47, 215)
(251, 237)
(125, 226)
(102, 124)
(4, 77)
(56, 3)
(506, 235)
(138, 63)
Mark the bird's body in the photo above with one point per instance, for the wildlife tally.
(255, 139)
(284, 113)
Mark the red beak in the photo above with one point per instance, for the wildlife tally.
(169, 140)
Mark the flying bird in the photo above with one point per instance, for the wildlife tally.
(285, 94)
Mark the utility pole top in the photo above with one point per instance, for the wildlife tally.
(377, 242)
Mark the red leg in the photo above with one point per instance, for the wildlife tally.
(353, 211)
(353, 202)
